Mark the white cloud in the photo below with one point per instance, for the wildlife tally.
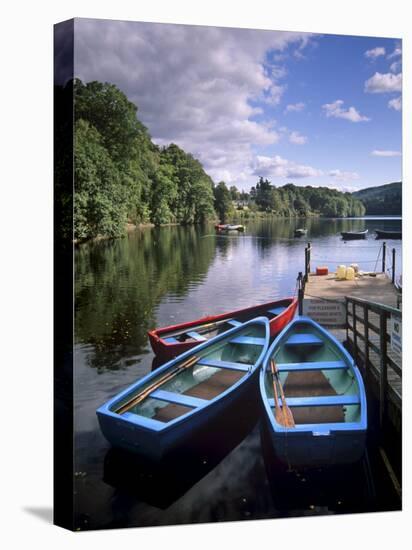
(342, 175)
(383, 83)
(396, 52)
(297, 138)
(382, 153)
(278, 167)
(198, 87)
(336, 110)
(375, 52)
(294, 107)
(395, 66)
(395, 103)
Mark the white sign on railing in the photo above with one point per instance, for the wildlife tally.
(396, 334)
(325, 313)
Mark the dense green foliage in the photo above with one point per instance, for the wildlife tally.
(121, 176)
(291, 200)
(223, 200)
(384, 199)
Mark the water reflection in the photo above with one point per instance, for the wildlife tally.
(156, 277)
(120, 283)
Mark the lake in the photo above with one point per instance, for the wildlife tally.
(160, 276)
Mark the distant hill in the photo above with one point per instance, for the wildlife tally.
(384, 199)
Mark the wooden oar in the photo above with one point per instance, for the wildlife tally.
(278, 413)
(199, 328)
(135, 400)
(287, 419)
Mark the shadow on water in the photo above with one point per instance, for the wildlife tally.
(162, 483)
(343, 489)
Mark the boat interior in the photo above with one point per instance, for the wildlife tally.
(208, 330)
(319, 386)
(216, 369)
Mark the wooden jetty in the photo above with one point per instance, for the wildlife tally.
(363, 314)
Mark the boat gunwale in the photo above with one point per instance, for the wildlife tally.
(323, 427)
(153, 425)
(157, 333)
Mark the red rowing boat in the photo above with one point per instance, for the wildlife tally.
(171, 341)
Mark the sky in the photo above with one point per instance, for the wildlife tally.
(304, 108)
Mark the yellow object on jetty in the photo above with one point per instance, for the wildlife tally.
(350, 274)
(341, 272)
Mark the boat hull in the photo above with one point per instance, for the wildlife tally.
(352, 236)
(380, 234)
(165, 350)
(156, 439)
(156, 446)
(308, 450)
(317, 444)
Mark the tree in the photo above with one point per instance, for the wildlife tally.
(99, 196)
(223, 201)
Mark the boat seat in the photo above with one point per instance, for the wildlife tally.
(196, 336)
(250, 340)
(178, 398)
(319, 401)
(277, 310)
(171, 340)
(224, 364)
(234, 322)
(303, 340)
(320, 365)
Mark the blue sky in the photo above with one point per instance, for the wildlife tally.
(292, 107)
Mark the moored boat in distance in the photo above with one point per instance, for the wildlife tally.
(382, 234)
(168, 342)
(229, 227)
(162, 411)
(324, 396)
(349, 235)
(300, 232)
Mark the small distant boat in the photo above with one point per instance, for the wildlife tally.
(348, 235)
(322, 417)
(300, 232)
(168, 342)
(381, 234)
(162, 411)
(229, 227)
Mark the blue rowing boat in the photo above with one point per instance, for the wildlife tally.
(161, 412)
(324, 395)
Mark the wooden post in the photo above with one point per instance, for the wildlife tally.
(383, 371)
(366, 332)
(383, 257)
(347, 319)
(309, 251)
(355, 338)
(306, 264)
(300, 293)
(393, 265)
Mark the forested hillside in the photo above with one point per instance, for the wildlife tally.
(384, 199)
(122, 177)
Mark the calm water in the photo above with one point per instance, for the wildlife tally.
(156, 277)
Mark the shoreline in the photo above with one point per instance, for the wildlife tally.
(130, 227)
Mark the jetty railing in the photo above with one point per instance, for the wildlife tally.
(308, 251)
(369, 329)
